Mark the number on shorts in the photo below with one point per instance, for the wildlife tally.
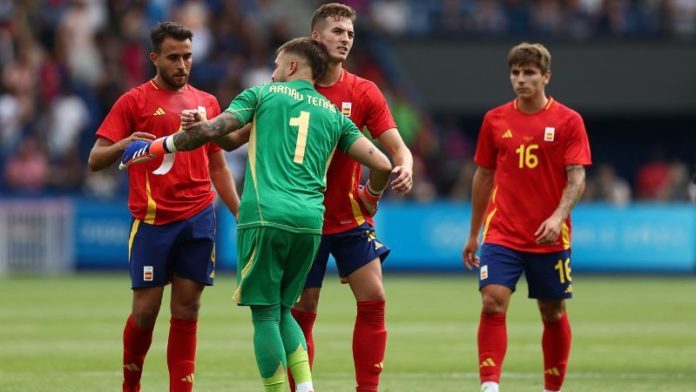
(563, 268)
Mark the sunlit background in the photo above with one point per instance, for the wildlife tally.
(628, 66)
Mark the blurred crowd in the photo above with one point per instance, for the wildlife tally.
(566, 19)
(63, 63)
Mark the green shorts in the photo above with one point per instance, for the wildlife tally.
(272, 265)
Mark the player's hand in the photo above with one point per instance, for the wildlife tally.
(368, 199)
(469, 253)
(142, 151)
(402, 180)
(549, 230)
(189, 117)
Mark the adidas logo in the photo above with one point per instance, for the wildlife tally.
(488, 362)
(569, 289)
(159, 112)
(507, 134)
(132, 367)
(553, 372)
(188, 378)
(379, 365)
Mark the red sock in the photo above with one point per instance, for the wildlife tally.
(306, 322)
(556, 345)
(136, 342)
(369, 344)
(492, 345)
(181, 354)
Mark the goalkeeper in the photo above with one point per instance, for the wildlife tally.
(295, 131)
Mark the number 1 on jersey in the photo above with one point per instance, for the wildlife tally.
(303, 123)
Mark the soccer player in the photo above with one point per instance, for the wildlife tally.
(531, 157)
(295, 131)
(172, 237)
(348, 232)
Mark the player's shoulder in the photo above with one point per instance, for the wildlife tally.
(564, 111)
(359, 84)
(200, 93)
(500, 110)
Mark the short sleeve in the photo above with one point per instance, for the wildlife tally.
(486, 152)
(349, 133)
(379, 117)
(119, 123)
(577, 150)
(244, 105)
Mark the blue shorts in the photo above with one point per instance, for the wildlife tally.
(185, 248)
(351, 249)
(548, 274)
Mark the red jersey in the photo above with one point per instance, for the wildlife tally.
(360, 100)
(529, 153)
(186, 189)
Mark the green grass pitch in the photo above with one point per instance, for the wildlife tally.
(630, 334)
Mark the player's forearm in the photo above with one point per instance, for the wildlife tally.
(400, 153)
(380, 169)
(572, 191)
(234, 140)
(482, 187)
(102, 155)
(224, 185)
(201, 132)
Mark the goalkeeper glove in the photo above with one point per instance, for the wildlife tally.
(369, 198)
(141, 151)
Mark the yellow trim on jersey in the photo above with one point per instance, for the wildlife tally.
(152, 82)
(490, 216)
(565, 235)
(238, 292)
(151, 203)
(328, 163)
(251, 153)
(488, 222)
(134, 229)
(548, 104)
(357, 213)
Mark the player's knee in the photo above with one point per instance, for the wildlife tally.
(145, 317)
(307, 305)
(551, 311)
(186, 310)
(491, 304)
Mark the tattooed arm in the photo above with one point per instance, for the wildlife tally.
(196, 132)
(549, 230)
(363, 151)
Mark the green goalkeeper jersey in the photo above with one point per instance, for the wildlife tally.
(295, 131)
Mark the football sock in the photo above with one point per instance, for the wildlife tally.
(369, 344)
(136, 342)
(555, 343)
(268, 346)
(306, 323)
(489, 386)
(492, 345)
(295, 350)
(181, 354)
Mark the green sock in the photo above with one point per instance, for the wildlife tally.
(268, 347)
(295, 347)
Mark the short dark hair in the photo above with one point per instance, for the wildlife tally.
(314, 52)
(168, 29)
(333, 10)
(534, 54)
